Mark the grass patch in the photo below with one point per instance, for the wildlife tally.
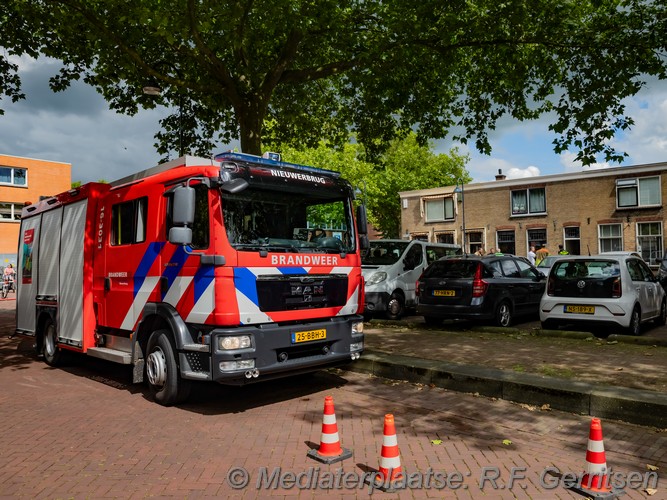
(519, 368)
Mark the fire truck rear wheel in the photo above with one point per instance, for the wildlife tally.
(164, 380)
(53, 355)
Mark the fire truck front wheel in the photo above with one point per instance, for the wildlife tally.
(164, 381)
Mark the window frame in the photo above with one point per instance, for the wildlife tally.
(657, 237)
(444, 201)
(12, 181)
(15, 210)
(619, 237)
(634, 183)
(528, 212)
(138, 208)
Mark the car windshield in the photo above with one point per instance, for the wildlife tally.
(384, 253)
(264, 220)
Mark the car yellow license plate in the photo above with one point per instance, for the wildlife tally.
(579, 309)
(444, 293)
(309, 335)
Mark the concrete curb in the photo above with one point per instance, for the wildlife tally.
(618, 403)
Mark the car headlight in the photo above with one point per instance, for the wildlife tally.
(376, 278)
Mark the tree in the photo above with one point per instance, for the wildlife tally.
(405, 166)
(298, 71)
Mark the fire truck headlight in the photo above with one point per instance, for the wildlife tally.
(231, 343)
(357, 328)
(241, 364)
(376, 278)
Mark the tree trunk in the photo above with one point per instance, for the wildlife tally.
(251, 117)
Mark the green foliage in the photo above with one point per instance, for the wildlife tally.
(405, 166)
(297, 72)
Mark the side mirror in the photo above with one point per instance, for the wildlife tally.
(183, 211)
(362, 220)
(180, 235)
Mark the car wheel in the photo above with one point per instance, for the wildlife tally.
(504, 314)
(396, 306)
(635, 322)
(661, 320)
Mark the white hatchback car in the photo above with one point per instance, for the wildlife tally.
(615, 290)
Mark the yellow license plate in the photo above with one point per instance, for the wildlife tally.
(309, 335)
(444, 293)
(579, 309)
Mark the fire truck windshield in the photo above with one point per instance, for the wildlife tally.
(264, 220)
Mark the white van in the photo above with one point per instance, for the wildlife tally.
(391, 268)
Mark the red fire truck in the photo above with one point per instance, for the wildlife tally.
(233, 270)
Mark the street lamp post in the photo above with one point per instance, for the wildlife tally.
(459, 189)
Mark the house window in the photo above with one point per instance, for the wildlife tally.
(529, 201)
(10, 211)
(642, 192)
(506, 241)
(474, 240)
(445, 238)
(572, 240)
(537, 237)
(437, 210)
(128, 222)
(13, 176)
(649, 240)
(611, 237)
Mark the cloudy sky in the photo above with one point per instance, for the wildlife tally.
(76, 127)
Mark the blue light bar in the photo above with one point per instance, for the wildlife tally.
(231, 156)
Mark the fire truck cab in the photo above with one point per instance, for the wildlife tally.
(233, 270)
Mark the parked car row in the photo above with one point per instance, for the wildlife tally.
(613, 289)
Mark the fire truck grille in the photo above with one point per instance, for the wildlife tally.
(288, 293)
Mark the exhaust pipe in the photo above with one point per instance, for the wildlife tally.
(255, 373)
(248, 374)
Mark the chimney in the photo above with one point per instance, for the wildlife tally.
(500, 176)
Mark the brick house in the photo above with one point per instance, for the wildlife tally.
(613, 209)
(23, 181)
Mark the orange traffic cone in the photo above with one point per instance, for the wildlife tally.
(390, 460)
(330, 450)
(595, 481)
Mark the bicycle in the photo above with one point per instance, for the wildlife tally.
(7, 286)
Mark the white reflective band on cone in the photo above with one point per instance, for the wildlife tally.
(390, 440)
(329, 438)
(329, 419)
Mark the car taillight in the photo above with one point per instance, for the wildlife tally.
(479, 286)
(417, 288)
(616, 290)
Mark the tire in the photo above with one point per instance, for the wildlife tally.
(504, 314)
(661, 320)
(635, 322)
(396, 306)
(162, 374)
(53, 355)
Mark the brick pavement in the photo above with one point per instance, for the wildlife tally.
(85, 432)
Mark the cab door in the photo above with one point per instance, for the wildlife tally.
(412, 263)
